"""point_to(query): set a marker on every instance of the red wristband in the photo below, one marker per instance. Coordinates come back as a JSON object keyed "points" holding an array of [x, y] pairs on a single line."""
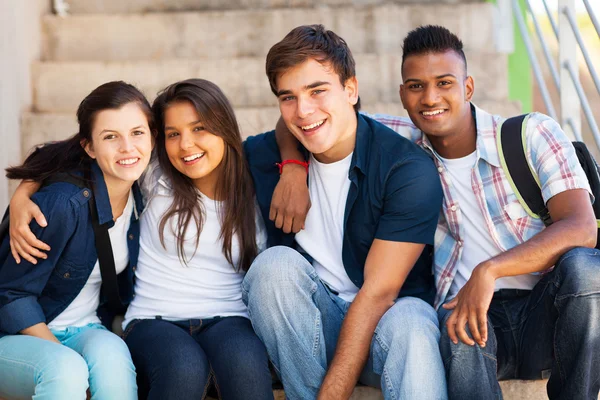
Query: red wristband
{"points": [[284, 162]]}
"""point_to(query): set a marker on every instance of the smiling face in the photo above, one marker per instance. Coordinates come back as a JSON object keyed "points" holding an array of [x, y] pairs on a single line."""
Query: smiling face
{"points": [[436, 93], [121, 143], [191, 149], [318, 109]]}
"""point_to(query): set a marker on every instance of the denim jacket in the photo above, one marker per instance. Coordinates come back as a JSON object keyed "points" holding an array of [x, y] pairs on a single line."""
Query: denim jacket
{"points": [[31, 294]]}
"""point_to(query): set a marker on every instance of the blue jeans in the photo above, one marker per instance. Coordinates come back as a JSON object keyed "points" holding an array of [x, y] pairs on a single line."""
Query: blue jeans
{"points": [[89, 356], [175, 360], [299, 320], [553, 330]]}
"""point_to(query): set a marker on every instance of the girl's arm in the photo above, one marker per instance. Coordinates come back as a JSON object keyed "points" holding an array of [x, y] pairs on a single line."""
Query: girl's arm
{"points": [[21, 285]]}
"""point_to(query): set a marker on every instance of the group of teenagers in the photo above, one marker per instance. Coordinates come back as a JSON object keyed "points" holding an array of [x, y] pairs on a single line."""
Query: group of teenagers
{"points": [[342, 247]]}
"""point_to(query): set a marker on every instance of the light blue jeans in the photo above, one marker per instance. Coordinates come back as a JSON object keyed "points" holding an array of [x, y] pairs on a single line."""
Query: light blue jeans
{"points": [[90, 356], [299, 320]]}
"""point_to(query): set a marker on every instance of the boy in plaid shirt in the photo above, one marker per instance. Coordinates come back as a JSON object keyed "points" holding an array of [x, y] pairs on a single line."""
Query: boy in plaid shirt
{"points": [[516, 300]]}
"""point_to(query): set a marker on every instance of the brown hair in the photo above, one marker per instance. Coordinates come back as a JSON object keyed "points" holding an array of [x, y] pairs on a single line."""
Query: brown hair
{"points": [[68, 155], [234, 186], [310, 42]]}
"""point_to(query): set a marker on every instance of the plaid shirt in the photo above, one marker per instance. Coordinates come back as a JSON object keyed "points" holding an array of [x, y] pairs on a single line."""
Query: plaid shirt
{"points": [[550, 154]]}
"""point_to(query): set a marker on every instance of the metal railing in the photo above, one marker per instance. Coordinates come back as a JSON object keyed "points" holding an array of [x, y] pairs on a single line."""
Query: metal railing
{"points": [[565, 72]]}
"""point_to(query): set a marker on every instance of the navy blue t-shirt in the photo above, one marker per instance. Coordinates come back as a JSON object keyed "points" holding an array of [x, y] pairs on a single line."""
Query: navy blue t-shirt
{"points": [[395, 194]]}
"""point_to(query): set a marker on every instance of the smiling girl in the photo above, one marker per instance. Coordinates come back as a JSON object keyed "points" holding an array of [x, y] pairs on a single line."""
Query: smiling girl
{"points": [[200, 233], [52, 342]]}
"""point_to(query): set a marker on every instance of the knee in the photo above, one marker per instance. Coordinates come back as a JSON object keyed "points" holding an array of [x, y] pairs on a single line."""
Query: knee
{"points": [[186, 373], [410, 322], [579, 270], [69, 371], [461, 351], [272, 274], [110, 358], [253, 362]]}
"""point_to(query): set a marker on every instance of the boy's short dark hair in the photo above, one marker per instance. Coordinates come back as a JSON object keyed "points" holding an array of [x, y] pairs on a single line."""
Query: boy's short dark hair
{"points": [[432, 39], [306, 42]]}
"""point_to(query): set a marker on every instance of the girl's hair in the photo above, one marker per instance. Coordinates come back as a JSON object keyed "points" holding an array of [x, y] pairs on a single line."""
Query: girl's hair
{"points": [[69, 155], [234, 185]]}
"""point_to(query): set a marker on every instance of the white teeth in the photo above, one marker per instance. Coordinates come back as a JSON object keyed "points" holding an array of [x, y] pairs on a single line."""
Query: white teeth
{"points": [[128, 161], [434, 112], [307, 127], [193, 157]]}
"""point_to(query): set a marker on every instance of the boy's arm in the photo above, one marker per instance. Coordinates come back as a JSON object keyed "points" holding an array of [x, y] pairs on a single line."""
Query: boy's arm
{"points": [[385, 273], [565, 189], [411, 209], [573, 218], [290, 202], [23, 242]]}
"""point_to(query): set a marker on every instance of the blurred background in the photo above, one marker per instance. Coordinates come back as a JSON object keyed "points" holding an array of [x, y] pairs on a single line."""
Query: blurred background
{"points": [[525, 55]]}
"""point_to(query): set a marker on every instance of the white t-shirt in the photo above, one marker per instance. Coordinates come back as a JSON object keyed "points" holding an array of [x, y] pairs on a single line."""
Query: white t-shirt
{"points": [[208, 286], [478, 245], [82, 310], [322, 238]]}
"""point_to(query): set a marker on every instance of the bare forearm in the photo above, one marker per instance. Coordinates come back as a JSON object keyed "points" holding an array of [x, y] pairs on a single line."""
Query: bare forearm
{"points": [[543, 250], [287, 143], [353, 345], [41, 331], [25, 190]]}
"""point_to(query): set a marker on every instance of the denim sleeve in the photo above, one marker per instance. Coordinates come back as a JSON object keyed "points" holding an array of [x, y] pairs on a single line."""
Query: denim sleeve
{"points": [[412, 202], [22, 284]]}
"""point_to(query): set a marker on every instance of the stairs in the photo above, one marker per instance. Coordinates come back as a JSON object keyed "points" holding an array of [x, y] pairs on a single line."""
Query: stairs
{"points": [[152, 43]]}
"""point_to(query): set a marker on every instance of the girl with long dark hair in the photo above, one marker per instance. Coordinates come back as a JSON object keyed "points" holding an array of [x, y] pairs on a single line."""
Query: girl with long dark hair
{"points": [[200, 232], [52, 342]]}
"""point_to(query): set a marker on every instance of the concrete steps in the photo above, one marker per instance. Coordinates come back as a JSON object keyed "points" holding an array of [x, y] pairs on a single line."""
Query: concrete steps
{"points": [[38, 128], [60, 86], [152, 6], [511, 390], [250, 33]]}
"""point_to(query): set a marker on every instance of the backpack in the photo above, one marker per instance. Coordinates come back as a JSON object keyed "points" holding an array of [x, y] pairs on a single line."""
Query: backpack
{"points": [[512, 149]]}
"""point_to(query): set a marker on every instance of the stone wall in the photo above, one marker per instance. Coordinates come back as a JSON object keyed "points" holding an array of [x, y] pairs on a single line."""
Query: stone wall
{"points": [[20, 45]]}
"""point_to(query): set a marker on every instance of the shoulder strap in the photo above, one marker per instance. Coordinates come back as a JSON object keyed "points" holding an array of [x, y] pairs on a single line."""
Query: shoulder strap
{"points": [[110, 285], [76, 180], [513, 157]]}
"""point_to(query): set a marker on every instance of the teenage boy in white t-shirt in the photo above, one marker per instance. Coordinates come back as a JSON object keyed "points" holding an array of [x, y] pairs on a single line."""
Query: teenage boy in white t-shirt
{"points": [[350, 296], [505, 313]]}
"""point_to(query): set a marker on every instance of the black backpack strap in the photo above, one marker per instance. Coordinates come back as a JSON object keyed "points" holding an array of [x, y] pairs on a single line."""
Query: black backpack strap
{"points": [[76, 180], [513, 157], [108, 272]]}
